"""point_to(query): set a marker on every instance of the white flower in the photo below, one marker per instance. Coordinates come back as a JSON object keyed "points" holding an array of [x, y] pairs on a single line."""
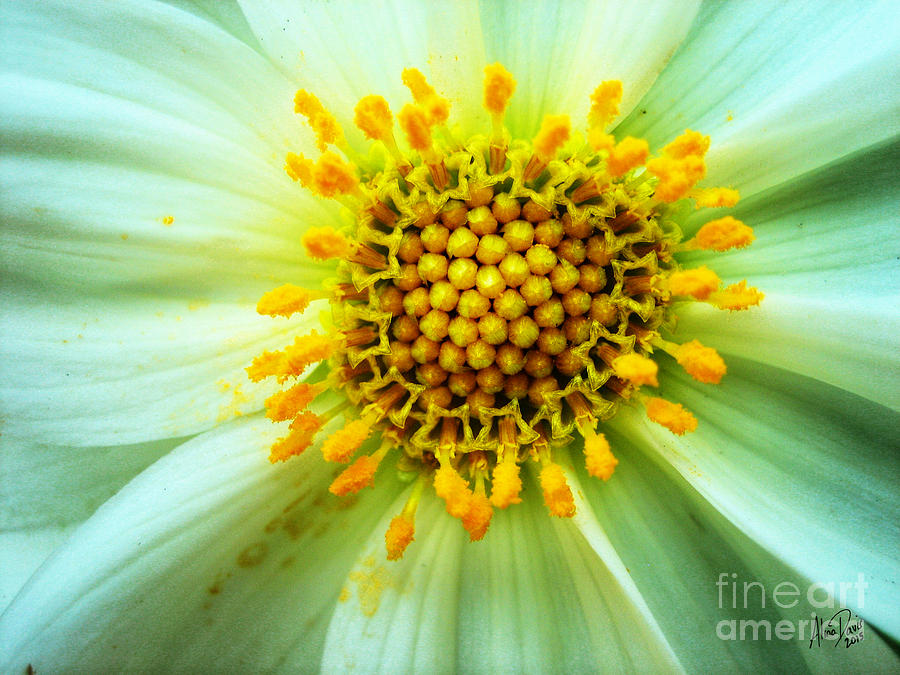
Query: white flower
{"points": [[145, 210]]}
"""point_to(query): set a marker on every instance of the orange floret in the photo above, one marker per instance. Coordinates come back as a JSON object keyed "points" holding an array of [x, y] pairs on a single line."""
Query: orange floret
{"points": [[285, 405], [323, 243], [499, 86], [736, 297], [605, 104], [599, 460], [637, 369], [715, 197], [399, 535], [723, 234], [554, 133], [698, 283], [672, 416], [373, 117], [453, 489], [342, 444], [284, 301], [355, 477], [415, 126], [628, 154], [702, 363], [506, 484], [557, 495], [478, 517], [303, 429]]}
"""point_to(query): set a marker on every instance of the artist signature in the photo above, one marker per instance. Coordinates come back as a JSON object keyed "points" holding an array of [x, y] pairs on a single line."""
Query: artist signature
{"points": [[843, 628]]}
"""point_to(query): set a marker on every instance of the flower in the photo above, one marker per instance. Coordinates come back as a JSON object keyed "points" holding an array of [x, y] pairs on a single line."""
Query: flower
{"points": [[147, 212]]}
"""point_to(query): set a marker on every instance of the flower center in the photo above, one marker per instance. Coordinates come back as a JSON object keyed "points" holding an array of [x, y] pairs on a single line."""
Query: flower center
{"points": [[494, 300]]}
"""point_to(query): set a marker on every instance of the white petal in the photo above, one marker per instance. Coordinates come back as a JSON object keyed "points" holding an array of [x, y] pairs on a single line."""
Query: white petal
{"points": [[807, 471], [22, 552], [211, 560], [559, 52], [129, 369], [805, 84]]}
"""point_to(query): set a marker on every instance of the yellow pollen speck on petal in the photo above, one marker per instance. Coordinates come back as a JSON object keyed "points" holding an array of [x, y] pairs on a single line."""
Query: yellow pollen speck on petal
{"points": [[628, 154], [637, 369], [415, 126], [373, 117], [557, 494], [599, 459], [506, 484], [285, 405], [723, 234], [284, 301], [303, 429], [499, 87], [168, 220], [399, 535], [342, 444], [554, 132], [478, 517], [324, 243], [702, 363], [453, 489], [715, 197], [355, 477], [689, 144], [605, 104], [672, 416], [736, 297], [698, 283]]}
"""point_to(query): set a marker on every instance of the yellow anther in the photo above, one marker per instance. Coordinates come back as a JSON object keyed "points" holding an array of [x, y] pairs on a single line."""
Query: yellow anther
{"points": [[285, 405], [672, 416], [554, 133], [698, 283], [676, 175], [355, 477], [333, 176], [702, 363], [722, 234], [303, 429], [435, 108], [453, 489], [637, 369], [478, 517], [308, 349], [628, 154], [299, 168], [499, 86], [599, 460], [342, 444], [323, 123], [399, 535], [324, 243], [605, 104], [557, 495], [506, 484], [415, 126], [373, 117], [600, 141], [284, 301], [715, 197], [689, 144], [266, 365], [736, 297]]}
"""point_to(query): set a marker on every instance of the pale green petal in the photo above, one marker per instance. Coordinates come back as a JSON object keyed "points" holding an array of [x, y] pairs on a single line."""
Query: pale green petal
{"points": [[211, 560], [560, 51], [22, 552], [806, 470], [806, 83]]}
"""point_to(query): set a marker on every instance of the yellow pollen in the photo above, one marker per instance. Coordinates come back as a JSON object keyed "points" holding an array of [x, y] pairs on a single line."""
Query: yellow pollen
{"points": [[557, 495], [303, 429], [702, 363], [342, 444], [306, 350], [453, 489], [373, 117], [499, 86], [715, 197], [689, 144], [284, 301], [324, 243], [698, 283], [672, 416], [333, 176], [637, 369], [323, 123], [286, 405], [605, 104], [554, 133], [736, 297], [628, 154], [355, 477], [723, 234], [478, 517], [600, 141], [506, 484], [299, 168], [266, 365], [435, 108], [398, 536], [415, 126], [676, 175], [599, 459]]}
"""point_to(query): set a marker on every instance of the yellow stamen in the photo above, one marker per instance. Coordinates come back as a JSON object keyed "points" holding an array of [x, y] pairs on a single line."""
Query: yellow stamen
{"points": [[284, 301], [506, 484], [478, 517], [689, 144], [605, 104], [698, 283], [676, 176], [398, 536], [415, 125], [721, 235], [303, 429], [499, 87], [628, 154], [299, 168], [736, 297], [672, 416], [436, 109], [373, 117], [324, 243], [342, 444], [554, 132], [285, 405], [715, 197], [702, 363], [355, 477], [637, 369], [323, 123], [599, 460], [333, 176], [557, 495], [453, 489]]}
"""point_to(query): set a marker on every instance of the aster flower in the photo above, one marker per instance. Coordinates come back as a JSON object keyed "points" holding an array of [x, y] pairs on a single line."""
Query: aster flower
{"points": [[146, 212]]}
